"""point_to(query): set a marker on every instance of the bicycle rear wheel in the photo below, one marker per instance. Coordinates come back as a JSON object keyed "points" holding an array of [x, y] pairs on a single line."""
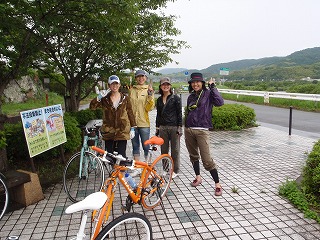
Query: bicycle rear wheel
{"points": [[92, 177], [158, 181], [128, 226], [4, 197]]}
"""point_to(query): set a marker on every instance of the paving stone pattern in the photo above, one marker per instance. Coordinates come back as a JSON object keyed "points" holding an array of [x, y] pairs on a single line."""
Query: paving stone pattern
{"points": [[252, 164]]}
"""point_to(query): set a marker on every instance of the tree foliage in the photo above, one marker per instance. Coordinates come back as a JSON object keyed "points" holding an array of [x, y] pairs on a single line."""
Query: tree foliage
{"points": [[88, 39]]}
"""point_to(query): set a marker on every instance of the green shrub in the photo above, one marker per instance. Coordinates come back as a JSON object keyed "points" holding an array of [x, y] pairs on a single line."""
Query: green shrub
{"points": [[311, 173], [17, 149], [291, 191], [3, 142], [233, 117], [306, 197], [84, 116], [73, 133]]}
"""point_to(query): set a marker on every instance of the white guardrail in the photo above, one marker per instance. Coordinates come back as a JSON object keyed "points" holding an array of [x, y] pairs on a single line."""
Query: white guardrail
{"points": [[267, 95]]}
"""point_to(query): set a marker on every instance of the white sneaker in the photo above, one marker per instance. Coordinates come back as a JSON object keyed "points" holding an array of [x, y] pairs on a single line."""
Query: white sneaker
{"points": [[136, 172], [174, 175]]}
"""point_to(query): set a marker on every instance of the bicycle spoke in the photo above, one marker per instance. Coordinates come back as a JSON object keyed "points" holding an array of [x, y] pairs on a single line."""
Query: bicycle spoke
{"points": [[91, 179], [129, 226], [158, 182]]}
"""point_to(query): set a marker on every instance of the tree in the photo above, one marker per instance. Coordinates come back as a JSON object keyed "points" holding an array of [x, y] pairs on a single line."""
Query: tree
{"points": [[87, 39], [17, 49]]}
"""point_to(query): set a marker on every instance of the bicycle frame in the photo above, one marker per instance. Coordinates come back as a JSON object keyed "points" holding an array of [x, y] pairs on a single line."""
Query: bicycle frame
{"points": [[119, 168], [85, 147], [111, 182], [96, 201]]}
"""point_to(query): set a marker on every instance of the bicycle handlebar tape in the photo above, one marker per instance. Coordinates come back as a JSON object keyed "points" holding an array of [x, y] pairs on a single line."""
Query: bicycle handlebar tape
{"points": [[154, 140], [99, 150]]}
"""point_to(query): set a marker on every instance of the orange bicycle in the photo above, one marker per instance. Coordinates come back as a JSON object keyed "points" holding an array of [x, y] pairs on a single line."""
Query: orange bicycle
{"points": [[153, 184]]}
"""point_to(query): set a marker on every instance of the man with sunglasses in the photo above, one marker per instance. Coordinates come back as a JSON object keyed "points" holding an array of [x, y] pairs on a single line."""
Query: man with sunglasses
{"points": [[198, 122]]}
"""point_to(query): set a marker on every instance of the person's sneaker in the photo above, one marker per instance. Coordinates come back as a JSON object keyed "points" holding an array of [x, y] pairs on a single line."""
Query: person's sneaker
{"points": [[218, 191], [174, 175], [136, 172], [196, 182]]}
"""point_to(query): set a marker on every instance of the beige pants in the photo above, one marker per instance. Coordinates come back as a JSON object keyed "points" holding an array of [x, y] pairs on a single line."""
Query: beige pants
{"points": [[198, 140]]}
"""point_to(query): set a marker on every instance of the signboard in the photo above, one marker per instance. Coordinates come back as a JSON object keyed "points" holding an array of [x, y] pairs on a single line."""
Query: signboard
{"points": [[43, 128], [224, 71], [186, 73]]}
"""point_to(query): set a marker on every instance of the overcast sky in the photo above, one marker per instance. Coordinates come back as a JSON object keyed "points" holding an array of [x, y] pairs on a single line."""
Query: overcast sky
{"points": [[221, 31]]}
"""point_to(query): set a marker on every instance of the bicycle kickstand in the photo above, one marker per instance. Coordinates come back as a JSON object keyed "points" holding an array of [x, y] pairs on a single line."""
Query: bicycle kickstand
{"points": [[161, 202]]}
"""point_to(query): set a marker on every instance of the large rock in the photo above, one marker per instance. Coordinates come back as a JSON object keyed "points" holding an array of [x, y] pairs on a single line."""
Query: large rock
{"points": [[22, 89]]}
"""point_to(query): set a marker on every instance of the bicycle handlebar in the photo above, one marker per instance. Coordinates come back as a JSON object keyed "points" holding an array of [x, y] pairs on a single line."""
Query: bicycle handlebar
{"points": [[89, 130], [113, 158]]}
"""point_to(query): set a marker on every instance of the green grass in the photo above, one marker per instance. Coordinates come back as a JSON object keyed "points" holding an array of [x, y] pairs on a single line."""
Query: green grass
{"points": [[292, 191], [303, 105], [14, 109]]}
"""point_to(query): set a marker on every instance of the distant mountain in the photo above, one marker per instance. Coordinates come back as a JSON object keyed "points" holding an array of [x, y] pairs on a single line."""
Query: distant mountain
{"points": [[303, 57], [299, 58], [171, 70]]}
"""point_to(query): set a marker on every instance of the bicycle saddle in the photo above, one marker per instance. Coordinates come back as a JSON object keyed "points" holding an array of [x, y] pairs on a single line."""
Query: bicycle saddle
{"points": [[92, 202], [154, 140]]}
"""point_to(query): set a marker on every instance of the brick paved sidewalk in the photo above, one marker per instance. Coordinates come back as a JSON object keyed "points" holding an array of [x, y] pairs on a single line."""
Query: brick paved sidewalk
{"points": [[253, 162]]}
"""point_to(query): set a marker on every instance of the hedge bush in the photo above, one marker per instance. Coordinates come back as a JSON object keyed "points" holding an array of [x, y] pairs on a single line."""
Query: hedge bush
{"points": [[311, 174], [306, 196], [233, 117], [84, 116]]}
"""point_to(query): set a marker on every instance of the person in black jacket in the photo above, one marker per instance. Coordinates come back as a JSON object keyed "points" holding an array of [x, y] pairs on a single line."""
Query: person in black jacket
{"points": [[169, 122]]}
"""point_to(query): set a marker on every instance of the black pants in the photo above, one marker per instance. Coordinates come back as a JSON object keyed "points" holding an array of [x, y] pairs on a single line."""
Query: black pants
{"points": [[119, 146]]}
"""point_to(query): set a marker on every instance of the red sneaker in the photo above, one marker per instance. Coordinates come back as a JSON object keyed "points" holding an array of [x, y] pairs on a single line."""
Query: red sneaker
{"points": [[218, 191], [196, 183]]}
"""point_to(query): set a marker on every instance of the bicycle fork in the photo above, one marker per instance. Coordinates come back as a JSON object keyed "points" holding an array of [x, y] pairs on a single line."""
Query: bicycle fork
{"points": [[86, 164]]}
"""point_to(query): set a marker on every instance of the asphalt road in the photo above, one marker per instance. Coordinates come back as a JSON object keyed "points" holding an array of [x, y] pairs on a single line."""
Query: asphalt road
{"points": [[303, 123]]}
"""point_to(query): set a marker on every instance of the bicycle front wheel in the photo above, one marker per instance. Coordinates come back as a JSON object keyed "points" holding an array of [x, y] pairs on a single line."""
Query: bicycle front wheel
{"points": [[158, 181], [128, 226], [78, 186], [4, 197]]}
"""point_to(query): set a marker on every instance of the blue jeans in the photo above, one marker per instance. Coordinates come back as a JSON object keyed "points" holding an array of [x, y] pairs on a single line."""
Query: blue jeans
{"points": [[142, 133]]}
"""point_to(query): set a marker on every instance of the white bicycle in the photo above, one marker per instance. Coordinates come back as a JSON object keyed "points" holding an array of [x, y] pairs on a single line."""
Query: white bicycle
{"points": [[128, 226]]}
